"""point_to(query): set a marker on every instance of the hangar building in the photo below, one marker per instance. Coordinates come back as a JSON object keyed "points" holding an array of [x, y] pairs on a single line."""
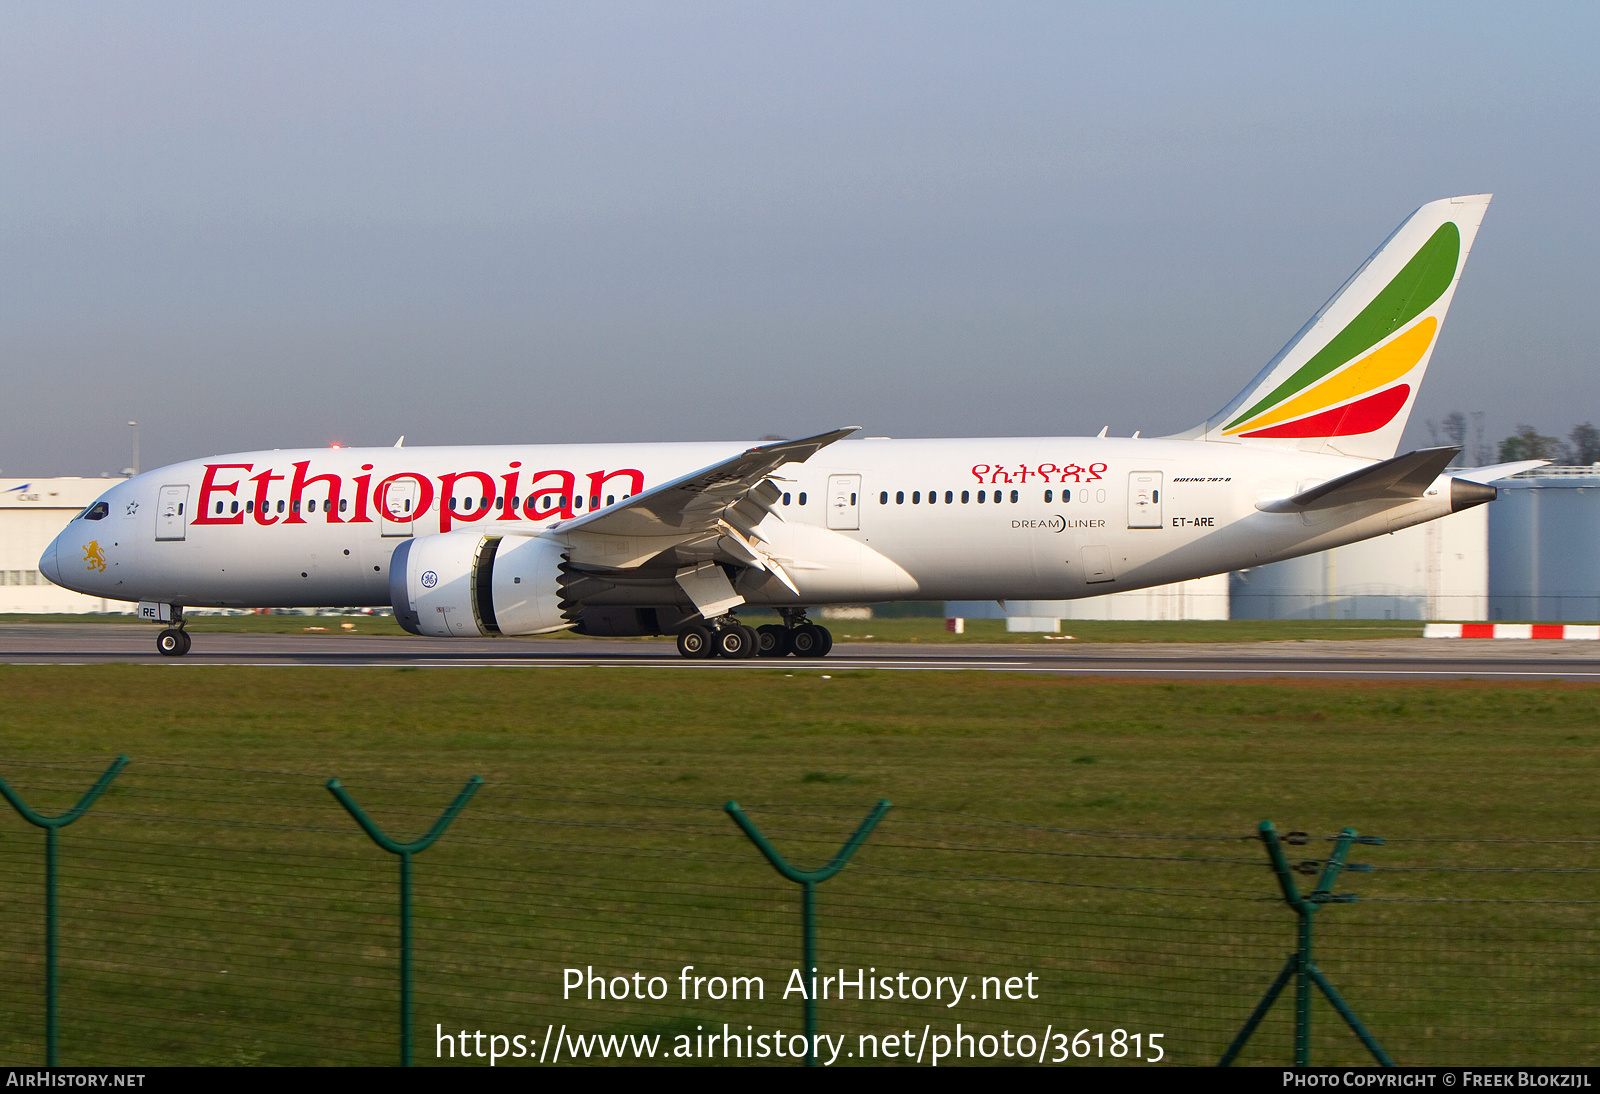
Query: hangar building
{"points": [[32, 512]]}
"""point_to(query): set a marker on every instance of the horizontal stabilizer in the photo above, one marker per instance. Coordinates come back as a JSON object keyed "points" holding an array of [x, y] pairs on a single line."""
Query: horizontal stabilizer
{"points": [[1496, 471], [1400, 479]]}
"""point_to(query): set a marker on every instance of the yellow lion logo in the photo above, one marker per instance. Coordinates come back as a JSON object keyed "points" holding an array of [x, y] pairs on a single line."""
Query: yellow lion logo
{"points": [[94, 556]]}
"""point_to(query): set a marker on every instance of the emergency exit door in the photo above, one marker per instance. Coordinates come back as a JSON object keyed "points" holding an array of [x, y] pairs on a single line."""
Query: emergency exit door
{"points": [[172, 517], [844, 502], [1144, 499]]}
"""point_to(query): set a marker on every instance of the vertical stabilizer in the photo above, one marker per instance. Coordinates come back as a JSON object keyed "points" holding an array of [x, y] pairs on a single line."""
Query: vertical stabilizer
{"points": [[1346, 383]]}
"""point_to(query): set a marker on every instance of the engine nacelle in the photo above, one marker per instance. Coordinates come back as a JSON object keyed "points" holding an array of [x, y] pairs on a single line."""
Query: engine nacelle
{"points": [[468, 585]]}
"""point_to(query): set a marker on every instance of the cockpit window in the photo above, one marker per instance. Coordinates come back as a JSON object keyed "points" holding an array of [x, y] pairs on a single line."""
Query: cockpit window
{"points": [[97, 511]]}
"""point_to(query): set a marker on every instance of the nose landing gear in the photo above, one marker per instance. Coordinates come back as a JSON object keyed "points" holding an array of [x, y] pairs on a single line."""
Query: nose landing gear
{"points": [[173, 641]]}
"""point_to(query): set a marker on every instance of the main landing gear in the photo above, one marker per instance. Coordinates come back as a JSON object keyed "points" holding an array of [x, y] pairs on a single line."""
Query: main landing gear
{"points": [[173, 641], [727, 637]]}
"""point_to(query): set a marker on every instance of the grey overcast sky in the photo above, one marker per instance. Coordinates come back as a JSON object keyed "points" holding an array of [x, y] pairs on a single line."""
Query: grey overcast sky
{"points": [[280, 224]]}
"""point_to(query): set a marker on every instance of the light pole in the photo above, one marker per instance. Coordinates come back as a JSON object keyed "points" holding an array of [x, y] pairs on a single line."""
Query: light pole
{"points": [[135, 427]]}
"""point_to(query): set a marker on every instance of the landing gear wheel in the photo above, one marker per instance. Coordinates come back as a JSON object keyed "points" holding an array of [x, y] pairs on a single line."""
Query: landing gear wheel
{"points": [[187, 642], [737, 642], [772, 640], [172, 642], [695, 643], [810, 640]]}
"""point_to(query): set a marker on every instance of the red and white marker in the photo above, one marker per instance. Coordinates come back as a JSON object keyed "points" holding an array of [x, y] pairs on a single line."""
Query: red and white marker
{"points": [[1588, 632]]}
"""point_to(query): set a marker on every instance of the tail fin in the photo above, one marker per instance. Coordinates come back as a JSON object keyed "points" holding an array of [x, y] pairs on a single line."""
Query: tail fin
{"points": [[1346, 383]]}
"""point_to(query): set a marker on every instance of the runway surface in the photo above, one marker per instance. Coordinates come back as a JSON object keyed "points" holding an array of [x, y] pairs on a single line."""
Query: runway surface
{"points": [[1414, 659]]}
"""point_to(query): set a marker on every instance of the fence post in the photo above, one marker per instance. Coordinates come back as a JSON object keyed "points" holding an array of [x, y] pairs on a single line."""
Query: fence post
{"points": [[1300, 964], [808, 880], [405, 851], [51, 825]]}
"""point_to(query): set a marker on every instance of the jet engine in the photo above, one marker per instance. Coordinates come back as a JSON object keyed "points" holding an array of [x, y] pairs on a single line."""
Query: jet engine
{"points": [[469, 585]]}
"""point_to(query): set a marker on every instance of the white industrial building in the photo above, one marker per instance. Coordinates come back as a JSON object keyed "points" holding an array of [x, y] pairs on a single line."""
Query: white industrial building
{"points": [[1202, 598], [1437, 570], [32, 513]]}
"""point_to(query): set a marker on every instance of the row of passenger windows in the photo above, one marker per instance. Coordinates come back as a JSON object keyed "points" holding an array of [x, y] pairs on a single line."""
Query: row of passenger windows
{"points": [[465, 505], [966, 497]]}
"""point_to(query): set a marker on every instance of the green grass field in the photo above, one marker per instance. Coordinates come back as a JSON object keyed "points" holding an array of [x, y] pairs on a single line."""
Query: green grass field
{"points": [[220, 907]]}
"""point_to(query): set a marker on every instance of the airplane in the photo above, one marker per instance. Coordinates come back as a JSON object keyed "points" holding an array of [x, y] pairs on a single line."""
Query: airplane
{"points": [[657, 539]]}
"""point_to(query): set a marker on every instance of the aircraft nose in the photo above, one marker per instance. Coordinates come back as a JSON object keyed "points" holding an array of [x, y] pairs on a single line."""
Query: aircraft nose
{"points": [[47, 562]]}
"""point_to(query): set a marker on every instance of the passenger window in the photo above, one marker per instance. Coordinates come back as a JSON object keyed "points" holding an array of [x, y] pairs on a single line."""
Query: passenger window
{"points": [[916, 497], [980, 497], [899, 497], [883, 498], [577, 502], [594, 501], [1066, 495], [180, 508], [499, 503], [484, 503], [280, 506], [852, 497], [933, 497], [1155, 496], [219, 508], [802, 497], [997, 496], [611, 499], [97, 511], [949, 496], [294, 507], [343, 503], [452, 503], [964, 496], [1047, 496], [250, 506], [1013, 497], [233, 507]]}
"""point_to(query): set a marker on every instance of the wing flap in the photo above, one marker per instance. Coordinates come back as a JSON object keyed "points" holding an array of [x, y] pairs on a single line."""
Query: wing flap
{"points": [[716, 508]]}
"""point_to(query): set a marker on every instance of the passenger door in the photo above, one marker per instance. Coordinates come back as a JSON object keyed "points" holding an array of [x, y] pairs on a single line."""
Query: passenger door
{"points": [[844, 502], [1144, 499], [172, 517]]}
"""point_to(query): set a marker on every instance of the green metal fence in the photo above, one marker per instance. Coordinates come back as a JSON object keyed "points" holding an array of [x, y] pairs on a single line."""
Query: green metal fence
{"points": [[213, 915]]}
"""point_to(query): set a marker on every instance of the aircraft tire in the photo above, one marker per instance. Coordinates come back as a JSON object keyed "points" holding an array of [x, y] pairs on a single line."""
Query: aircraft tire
{"points": [[772, 640], [807, 640], [695, 643], [737, 643], [187, 642], [170, 643], [827, 641]]}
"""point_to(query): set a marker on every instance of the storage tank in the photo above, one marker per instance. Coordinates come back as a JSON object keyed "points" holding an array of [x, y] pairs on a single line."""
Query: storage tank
{"points": [[1543, 532]]}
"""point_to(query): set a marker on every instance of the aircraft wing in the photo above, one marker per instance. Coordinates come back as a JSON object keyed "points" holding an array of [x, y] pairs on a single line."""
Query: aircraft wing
{"points": [[1497, 471], [717, 507], [1400, 479]]}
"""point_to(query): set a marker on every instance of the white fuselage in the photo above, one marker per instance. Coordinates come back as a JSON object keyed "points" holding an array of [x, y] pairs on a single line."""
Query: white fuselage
{"points": [[1008, 518]]}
